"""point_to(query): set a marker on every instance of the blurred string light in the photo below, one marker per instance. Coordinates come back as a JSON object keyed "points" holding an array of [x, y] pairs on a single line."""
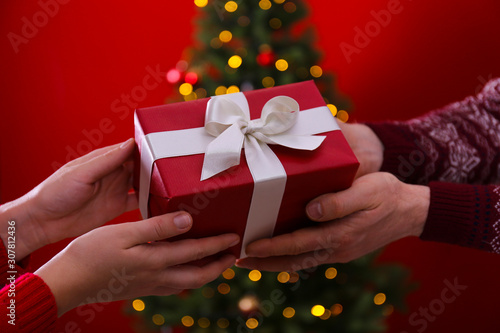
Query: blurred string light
{"points": [[252, 323], [232, 90], [379, 299], [201, 3], [281, 65], [275, 23], [191, 78], [186, 89], [225, 36], [283, 277], [265, 4], [290, 7], [231, 6], [223, 323], [220, 90], [235, 61], [248, 303], [331, 272], [255, 275], [173, 76], [158, 319], [318, 310], [333, 109], [288, 312], [228, 274], [343, 116], [203, 322], [316, 71], [279, 2], [187, 321], [138, 305], [326, 315], [268, 82], [336, 309], [223, 288]]}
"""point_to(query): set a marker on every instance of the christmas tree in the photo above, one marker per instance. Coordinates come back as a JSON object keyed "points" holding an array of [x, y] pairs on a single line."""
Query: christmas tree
{"points": [[245, 45]]}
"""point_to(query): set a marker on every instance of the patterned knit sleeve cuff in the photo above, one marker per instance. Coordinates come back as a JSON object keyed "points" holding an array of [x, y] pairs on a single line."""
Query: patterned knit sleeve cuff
{"points": [[402, 155], [36, 308], [465, 215]]}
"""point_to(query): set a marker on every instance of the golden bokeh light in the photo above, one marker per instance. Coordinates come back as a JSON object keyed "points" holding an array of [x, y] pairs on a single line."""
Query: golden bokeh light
{"points": [[232, 89], [275, 23], [268, 82], [318, 310], [333, 109], [158, 319], [316, 71], [265, 4], [201, 3], [225, 36], [331, 273], [187, 321], [228, 274], [185, 89], [288, 312], [379, 299], [203, 322], [290, 7], [252, 323], [223, 323], [336, 309], [283, 277], [255, 275], [138, 305], [231, 6], [281, 65], [223, 288], [235, 61], [343, 116], [221, 90]]}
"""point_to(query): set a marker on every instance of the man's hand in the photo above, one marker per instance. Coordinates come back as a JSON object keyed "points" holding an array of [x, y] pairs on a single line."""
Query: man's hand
{"points": [[377, 210]]}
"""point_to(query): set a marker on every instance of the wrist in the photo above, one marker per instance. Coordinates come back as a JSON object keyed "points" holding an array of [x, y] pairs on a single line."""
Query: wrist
{"points": [[418, 199], [27, 234]]}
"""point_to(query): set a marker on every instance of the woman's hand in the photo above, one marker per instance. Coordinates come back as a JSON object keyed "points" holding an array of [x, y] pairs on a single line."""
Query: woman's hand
{"points": [[80, 196], [366, 146], [123, 261], [377, 210]]}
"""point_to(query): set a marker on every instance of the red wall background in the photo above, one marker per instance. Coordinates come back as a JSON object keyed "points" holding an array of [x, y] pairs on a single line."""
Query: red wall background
{"points": [[68, 72]]}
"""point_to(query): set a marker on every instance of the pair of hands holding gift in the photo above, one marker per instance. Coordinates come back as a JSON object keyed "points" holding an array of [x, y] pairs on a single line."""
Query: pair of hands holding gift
{"points": [[79, 198], [376, 210]]}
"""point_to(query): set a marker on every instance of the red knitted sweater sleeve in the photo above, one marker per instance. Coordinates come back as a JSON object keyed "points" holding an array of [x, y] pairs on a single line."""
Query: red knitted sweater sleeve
{"points": [[26, 302], [456, 151]]}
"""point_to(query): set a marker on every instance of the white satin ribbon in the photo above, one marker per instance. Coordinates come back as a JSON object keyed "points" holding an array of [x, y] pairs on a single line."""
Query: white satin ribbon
{"points": [[227, 130]]}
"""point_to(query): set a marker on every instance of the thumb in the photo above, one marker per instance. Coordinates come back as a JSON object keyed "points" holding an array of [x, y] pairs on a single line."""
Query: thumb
{"points": [[155, 228], [102, 162], [360, 196]]}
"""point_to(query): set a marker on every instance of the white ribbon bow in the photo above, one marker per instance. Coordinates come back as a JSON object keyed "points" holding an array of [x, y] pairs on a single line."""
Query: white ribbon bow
{"points": [[228, 119]]}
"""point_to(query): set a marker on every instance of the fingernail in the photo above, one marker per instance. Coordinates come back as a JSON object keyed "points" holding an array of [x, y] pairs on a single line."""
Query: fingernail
{"points": [[314, 210], [182, 221], [126, 143], [235, 242]]}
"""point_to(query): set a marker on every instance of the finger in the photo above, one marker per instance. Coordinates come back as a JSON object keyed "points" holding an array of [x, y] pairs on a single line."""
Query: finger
{"points": [[184, 251], [287, 263], [105, 161], [297, 242], [332, 206], [193, 277], [132, 202], [153, 229]]}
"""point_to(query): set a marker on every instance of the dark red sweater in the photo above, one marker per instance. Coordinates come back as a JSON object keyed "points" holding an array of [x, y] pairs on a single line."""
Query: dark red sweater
{"points": [[35, 307], [456, 151]]}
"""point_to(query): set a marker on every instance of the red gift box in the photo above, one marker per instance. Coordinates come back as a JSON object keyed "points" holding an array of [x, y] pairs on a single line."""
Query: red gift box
{"points": [[221, 204]]}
